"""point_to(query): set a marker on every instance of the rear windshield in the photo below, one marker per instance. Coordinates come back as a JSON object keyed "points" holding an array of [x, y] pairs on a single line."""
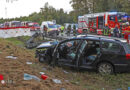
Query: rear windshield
{"points": [[127, 47]]}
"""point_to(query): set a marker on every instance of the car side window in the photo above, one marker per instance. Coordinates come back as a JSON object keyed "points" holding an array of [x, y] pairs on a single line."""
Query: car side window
{"points": [[109, 46]]}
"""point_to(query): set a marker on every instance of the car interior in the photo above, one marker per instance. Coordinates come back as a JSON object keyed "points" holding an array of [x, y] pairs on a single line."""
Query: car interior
{"points": [[91, 51], [68, 50]]}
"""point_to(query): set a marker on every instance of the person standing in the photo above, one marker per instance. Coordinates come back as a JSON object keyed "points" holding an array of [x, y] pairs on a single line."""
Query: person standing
{"points": [[68, 30], [106, 30], [62, 30], [74, 30], [116, 31], [45, 30]]}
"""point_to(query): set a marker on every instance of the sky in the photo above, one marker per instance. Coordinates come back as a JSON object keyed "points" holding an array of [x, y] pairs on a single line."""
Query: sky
{"points": [[25, 7]]}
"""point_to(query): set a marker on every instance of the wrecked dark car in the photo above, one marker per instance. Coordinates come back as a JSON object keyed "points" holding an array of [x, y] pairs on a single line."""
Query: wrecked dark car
{"points": [[44, 51], [104, 54]]}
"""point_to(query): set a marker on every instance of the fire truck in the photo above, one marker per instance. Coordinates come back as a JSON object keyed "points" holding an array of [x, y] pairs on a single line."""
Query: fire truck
{"points": [[94, 23], [34, 26]]}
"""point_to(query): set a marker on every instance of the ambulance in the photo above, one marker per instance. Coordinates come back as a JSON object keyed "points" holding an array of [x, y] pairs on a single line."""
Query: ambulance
{"points": [[52, 28]]}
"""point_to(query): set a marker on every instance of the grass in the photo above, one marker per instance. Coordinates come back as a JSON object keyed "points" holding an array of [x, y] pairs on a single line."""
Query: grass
{"points": [[18, 40]]}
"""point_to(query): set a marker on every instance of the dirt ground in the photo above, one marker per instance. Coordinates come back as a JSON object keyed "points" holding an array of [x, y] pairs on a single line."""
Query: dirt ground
{"points": [[13, 71]]}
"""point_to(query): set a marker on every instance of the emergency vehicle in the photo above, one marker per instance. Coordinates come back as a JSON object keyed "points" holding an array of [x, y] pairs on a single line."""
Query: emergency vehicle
{"points": [[34, 26], [51, 27], [94, 23], [12, 24]]}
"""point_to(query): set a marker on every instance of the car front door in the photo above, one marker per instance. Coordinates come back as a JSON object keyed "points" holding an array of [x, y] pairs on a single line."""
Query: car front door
{"points": [[67, 52]]}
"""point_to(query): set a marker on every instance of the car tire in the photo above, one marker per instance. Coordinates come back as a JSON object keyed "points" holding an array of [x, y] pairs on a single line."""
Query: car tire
{"points": [[105, 68]]}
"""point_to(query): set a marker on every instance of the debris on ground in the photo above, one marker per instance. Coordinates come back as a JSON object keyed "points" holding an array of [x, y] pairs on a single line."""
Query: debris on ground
{"points": [[44, 77], [42, 73], [27, 76], [30, 77], [2, 79], [67, 81], [128, 88], [36, 78], [65, 72], [44, 69], [11, 57], [29, 63], [56, 81], [62, 89]]}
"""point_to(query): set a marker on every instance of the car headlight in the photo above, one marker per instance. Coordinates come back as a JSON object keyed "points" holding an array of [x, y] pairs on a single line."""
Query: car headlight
{"points": [[41, 50]]}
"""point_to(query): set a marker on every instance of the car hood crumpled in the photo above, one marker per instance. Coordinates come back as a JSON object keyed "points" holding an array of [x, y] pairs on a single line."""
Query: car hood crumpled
{"points": [[47, 44]]}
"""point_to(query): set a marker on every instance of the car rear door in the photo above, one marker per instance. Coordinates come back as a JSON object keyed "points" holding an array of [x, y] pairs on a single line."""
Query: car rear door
{"points": [[88, 53], [112, 52]]}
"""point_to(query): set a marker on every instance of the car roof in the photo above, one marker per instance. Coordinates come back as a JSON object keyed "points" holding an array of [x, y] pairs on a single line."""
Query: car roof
{"points": [[103, 38]]}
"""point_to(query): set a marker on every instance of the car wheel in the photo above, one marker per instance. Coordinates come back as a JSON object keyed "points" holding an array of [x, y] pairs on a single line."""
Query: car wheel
{"points": [[41, 59], [105, 68]]}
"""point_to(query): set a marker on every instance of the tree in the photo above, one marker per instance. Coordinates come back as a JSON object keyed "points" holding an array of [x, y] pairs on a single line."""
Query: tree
{"points": [[100, 5]]}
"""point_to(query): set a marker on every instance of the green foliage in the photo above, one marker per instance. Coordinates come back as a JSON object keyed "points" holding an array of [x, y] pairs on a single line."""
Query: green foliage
{"points": [[83, 6]]}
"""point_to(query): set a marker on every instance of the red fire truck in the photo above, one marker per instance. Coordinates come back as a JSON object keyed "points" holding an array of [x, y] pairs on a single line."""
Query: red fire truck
{"points": [[34, 26], [94, 23]]}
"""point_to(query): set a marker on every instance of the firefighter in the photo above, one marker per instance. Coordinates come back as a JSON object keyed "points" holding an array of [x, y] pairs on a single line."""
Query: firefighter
{"points": [[45, 30], [116, 31], [74, 30], [68, 30], [62, 30], [106, 30]]}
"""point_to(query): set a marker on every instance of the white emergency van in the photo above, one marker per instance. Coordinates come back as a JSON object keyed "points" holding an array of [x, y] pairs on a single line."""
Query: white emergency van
{"points": [[52, 28]]}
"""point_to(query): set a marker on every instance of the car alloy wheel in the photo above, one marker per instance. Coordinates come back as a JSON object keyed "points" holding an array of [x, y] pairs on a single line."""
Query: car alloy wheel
{"points": [[105, 68]]}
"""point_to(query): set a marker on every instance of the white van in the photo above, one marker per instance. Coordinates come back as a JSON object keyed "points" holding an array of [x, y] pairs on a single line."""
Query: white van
{"points": [[51, 28]]}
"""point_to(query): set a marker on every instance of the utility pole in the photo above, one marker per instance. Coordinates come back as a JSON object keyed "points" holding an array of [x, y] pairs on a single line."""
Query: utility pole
{"points": [[8, 1], [5, 12]]}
